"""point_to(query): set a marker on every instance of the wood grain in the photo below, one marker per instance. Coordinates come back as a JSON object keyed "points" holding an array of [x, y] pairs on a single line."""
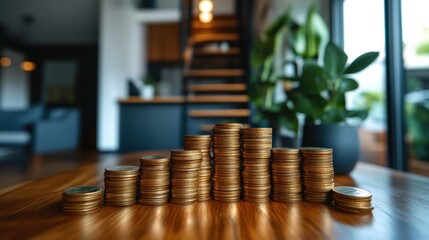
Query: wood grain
{"points": [[401, 211], [220, 113]]}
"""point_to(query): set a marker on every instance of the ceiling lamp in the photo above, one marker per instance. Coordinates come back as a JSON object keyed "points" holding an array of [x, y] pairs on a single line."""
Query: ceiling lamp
{"points": [[205, 6], [28, 66], [206, 17]]}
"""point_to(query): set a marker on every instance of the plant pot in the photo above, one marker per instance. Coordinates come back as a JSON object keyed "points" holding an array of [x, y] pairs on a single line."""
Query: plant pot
{"points": [[343, 140], [148, 92]]}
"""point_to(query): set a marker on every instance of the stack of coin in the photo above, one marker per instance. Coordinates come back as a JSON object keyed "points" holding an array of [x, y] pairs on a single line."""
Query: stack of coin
{"points": [[352, 200], [202, 143], [226, 162], [82, 200], [317, 174], [154, 180], [286, 175], [120, 185], [185, 167], [256, 152]]}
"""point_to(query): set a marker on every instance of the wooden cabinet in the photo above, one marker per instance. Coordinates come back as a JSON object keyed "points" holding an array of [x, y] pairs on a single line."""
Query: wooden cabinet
{"points": [[163, 43]]}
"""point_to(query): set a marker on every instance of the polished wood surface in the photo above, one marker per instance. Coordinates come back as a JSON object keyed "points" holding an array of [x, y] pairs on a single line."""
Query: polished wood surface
{"points": [[220, 113], [32, 210], [214, 73], [219, 99], [222, 87]]}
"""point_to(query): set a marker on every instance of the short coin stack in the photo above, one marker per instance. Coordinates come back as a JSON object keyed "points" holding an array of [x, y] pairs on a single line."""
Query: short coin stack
{"points": [[185, 167], [120, 185], [154, 180], [352, 200], [202, 143], [317, 174], [82, 200], [256, 153], [226, 162], [286, 175]]}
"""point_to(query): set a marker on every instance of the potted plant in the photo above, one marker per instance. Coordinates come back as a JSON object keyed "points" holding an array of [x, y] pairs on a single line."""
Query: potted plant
{"points": [[321, 97], [268, 62], [148, 88]]}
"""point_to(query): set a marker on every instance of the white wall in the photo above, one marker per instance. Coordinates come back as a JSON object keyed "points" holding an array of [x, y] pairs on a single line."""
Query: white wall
{"points": [[14, 83], [122, 56]]}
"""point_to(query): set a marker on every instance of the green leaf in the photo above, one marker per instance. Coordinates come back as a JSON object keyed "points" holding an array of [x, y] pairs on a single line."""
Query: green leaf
{"points": [[281, 22], [313, 79], [297, 40], [361, 62], [267, 69], [361, 114], [261, 50], [317, 33], [311, 105], [289, 120], [347, 84], [334, 60], [333, 115]]}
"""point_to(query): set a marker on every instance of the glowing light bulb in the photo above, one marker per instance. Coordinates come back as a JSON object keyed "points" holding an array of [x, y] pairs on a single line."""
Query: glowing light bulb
{"points": [[205, 6], [5, 62], [206, 17], [28, 66]]}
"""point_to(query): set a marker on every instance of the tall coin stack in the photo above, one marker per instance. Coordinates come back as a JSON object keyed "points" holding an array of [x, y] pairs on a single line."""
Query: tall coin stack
{"points": [[226, 162], [202, 143], [317, 174], [120, 185], [352, 200], [154, 180], [82, 200], [286, 175], [185, 167], [256, 152]]}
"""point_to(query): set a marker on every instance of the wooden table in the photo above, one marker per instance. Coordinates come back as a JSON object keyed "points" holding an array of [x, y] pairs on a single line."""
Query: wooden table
{"points": [[401, 211]]}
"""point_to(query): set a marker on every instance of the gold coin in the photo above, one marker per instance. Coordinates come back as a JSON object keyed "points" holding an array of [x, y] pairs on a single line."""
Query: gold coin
{"points": [[122, 170], [83, 191], [352, 192]]}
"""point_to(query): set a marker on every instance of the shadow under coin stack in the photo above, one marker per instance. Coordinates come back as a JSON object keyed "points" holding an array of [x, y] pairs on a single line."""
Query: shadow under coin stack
{"points": [[317, 174], [286, 175], [185, 167], [154, 180], [120, 185], [256, 152], [82, 200], [352, 200], [226, 162], [202, 143]]}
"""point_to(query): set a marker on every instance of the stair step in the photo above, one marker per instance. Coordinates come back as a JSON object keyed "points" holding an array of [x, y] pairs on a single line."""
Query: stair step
{"points": [[216, 23], [214, 73], [215, 37], [226, 87], [219, 113], [219, 99], [211, 52], [209, 127]]}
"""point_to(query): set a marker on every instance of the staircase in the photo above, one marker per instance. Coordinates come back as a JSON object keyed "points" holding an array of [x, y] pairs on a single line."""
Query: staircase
{"points": [[215, 74]]}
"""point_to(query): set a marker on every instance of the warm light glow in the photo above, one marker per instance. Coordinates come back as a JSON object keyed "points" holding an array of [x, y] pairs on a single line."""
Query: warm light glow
{"points": [[206, 17], [5, 62], [205, 6], [28, 66]]}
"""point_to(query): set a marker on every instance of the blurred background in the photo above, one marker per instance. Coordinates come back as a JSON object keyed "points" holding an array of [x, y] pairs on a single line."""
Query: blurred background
{"points": [[85, 79]]}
